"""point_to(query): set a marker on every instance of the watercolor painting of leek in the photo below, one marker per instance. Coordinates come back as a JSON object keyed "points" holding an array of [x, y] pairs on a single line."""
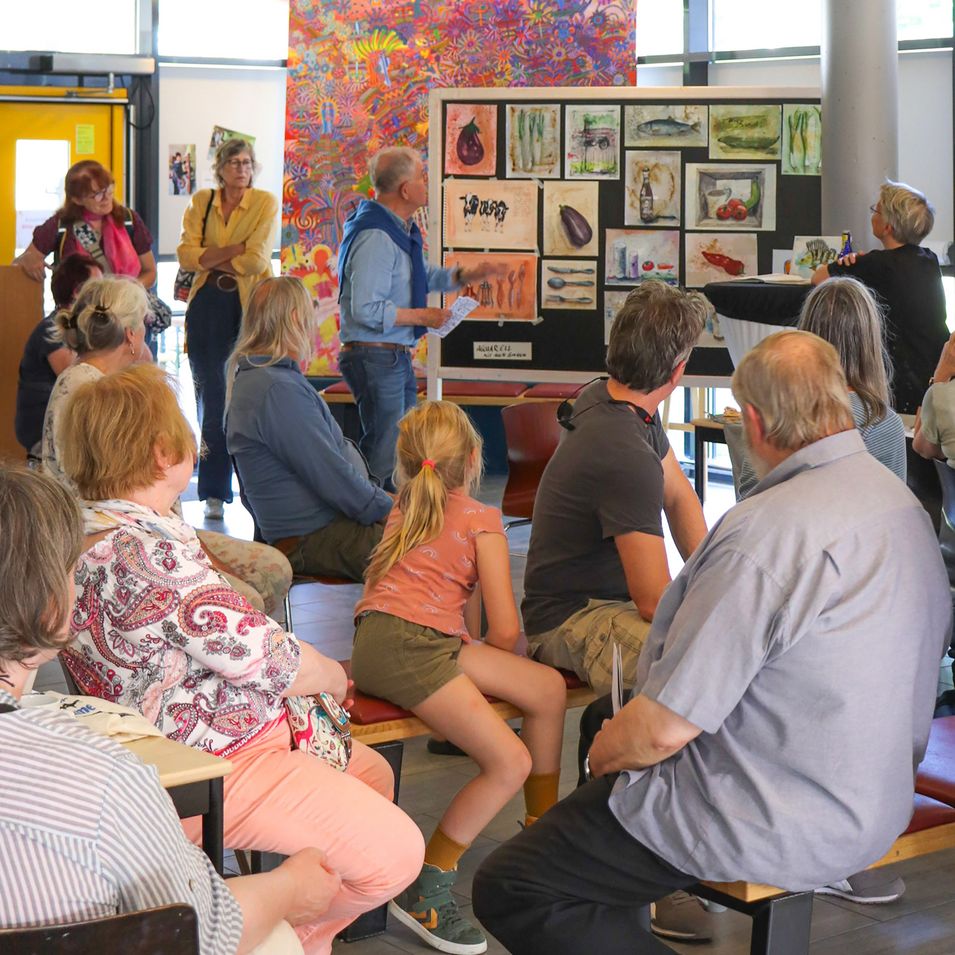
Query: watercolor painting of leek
{"points": [[533, 141], [802, 140]]}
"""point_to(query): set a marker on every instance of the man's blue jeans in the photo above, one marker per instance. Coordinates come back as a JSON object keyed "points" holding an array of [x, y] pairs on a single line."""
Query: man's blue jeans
{"points": [[384, 387]]}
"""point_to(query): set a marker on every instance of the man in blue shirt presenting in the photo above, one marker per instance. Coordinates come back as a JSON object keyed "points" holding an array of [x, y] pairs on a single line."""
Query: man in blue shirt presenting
{"points": [[384, 301]]}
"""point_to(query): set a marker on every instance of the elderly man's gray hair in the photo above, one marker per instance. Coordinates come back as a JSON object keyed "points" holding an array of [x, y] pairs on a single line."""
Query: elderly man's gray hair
{"points": [[392, 166]]}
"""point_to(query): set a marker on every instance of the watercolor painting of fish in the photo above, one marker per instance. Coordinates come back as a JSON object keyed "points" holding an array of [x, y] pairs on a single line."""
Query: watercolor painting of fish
{"points": [[674, 126]]}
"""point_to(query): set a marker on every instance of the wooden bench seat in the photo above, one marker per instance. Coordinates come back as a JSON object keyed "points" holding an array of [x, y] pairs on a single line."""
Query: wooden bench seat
{"points": [[375, 721], [782, 920]]}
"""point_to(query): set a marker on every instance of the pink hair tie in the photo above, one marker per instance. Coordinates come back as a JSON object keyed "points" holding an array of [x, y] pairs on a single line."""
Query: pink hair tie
{"points": [[427, 463]]}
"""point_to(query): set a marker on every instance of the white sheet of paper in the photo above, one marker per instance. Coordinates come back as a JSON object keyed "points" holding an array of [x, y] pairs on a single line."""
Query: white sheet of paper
{"points": [[460, 310], [616, 679]]}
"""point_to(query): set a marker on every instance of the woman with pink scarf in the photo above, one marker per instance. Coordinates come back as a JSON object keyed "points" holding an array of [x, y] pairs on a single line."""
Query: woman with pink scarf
{"points": [[92, 223]]}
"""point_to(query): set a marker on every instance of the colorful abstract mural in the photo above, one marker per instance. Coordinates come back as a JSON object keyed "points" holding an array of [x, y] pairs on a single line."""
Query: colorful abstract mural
{"points": [[359, 72]]}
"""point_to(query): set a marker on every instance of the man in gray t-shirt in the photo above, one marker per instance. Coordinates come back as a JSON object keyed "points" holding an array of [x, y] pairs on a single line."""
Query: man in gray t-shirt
{"points": [[783, 698], [597, 565]]}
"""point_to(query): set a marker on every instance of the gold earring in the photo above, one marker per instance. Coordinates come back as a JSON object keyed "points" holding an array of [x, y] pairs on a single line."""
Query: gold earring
{"points": [[132, 350]]}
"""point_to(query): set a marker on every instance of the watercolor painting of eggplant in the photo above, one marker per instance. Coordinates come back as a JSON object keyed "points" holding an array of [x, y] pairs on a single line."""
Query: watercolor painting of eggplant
{"points": [[569, 284], [509, 297], [751, 131], [802, 140], [669, 127], [470, 140], [532, 135], [719, 256], [570, 218], [640, 255], [592, 142], [490, 214], [731, 197], [653, 188]]}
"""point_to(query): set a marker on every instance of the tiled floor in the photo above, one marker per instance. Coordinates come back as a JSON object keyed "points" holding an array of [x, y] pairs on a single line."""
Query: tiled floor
{"points": [[922, 923]]}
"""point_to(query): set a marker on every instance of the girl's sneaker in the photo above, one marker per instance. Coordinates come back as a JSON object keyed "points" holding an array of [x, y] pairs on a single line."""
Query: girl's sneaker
{"points": [[428, 908]]}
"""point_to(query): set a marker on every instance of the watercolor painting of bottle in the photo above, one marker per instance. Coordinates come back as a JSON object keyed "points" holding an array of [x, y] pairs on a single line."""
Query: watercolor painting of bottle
{"points": [[653, 188]]}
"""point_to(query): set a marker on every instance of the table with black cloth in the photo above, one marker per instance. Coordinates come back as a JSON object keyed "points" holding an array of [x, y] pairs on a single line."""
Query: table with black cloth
{"points": [[750, 310]]}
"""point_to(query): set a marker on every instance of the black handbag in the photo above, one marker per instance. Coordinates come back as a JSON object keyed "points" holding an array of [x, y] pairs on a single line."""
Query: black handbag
{"points": [[182, 286]]}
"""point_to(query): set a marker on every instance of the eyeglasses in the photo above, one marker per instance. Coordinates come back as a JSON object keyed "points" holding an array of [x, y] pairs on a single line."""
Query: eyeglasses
{"points": [[240, 163], [106, 193], [875, 210]]}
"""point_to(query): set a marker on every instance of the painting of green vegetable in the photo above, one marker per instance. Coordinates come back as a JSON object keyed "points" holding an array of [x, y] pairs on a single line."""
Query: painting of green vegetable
{"points": [[570, 218], [802, 140], [749, 131], [533, 141], [470, 147]]}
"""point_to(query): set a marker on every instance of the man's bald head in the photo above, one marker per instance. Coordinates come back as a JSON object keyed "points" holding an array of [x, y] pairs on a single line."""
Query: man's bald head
{"points": [[795, 382], [392, 166]]}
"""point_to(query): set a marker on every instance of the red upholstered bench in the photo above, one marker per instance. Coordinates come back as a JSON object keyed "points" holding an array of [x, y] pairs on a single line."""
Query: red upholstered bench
{"points": [[936, 775], [550, 392], [499, 393], [377, 721]]}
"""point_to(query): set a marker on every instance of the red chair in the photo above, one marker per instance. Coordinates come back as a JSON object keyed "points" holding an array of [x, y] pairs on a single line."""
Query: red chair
{"points": [[532, 433]]}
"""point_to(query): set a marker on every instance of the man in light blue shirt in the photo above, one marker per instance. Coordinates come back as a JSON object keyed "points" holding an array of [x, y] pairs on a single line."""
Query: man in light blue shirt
{"points": [[384, 301], [784, 693]]}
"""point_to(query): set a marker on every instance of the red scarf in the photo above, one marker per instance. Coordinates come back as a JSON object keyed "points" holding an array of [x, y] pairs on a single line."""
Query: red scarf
{"points": [[117, 245]]}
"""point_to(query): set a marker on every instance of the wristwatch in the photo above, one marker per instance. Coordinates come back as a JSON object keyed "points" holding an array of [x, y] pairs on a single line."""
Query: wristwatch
{"points": [[588, 775]]}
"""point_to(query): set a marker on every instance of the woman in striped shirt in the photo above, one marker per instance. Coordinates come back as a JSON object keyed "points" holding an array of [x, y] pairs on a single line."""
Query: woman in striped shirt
{"points": [[86, 831]]}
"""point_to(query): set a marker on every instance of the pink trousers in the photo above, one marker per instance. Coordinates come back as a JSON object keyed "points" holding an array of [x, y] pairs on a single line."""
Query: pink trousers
{"points": [[280, 800]]}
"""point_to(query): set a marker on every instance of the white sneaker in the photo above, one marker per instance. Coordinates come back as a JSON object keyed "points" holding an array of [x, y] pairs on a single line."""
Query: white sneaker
{"points": [[871, 887], [213, 509]]}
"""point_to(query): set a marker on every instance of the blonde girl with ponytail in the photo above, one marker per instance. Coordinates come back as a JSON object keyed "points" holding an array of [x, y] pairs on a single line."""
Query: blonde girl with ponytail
{"points": [[418, 644]]}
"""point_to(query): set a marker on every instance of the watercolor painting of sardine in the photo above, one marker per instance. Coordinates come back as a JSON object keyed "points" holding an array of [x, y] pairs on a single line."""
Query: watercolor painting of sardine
{"points": [[674, 126]]}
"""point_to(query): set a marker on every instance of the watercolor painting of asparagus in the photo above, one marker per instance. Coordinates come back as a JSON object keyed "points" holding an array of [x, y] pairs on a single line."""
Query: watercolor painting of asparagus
{"points": [[533, 142], [673, 127], [471, 144], [751, 131], [593, 142], [802, 140]]}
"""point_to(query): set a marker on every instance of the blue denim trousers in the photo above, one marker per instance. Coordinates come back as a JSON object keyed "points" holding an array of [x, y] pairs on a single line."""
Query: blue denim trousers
{"points": [[212, 327], [384, 387]]}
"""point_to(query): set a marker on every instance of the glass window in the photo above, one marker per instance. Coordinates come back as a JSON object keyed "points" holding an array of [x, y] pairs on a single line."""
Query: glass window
{"points": [[744, 24], [108, 26], [924, 19], [659, 27], [229, 29]]}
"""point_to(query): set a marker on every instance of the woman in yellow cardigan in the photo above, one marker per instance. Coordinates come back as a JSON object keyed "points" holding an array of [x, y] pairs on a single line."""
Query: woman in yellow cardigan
{"points": [[226, 241]]}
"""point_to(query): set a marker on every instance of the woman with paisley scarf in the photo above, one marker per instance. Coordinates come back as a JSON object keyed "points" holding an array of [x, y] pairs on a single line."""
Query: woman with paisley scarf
{"points": [[159, 630]]}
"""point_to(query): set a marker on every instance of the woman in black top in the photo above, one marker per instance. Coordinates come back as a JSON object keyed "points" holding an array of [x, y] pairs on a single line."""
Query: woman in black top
{"points": [[43, 359], [907, 280]]}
